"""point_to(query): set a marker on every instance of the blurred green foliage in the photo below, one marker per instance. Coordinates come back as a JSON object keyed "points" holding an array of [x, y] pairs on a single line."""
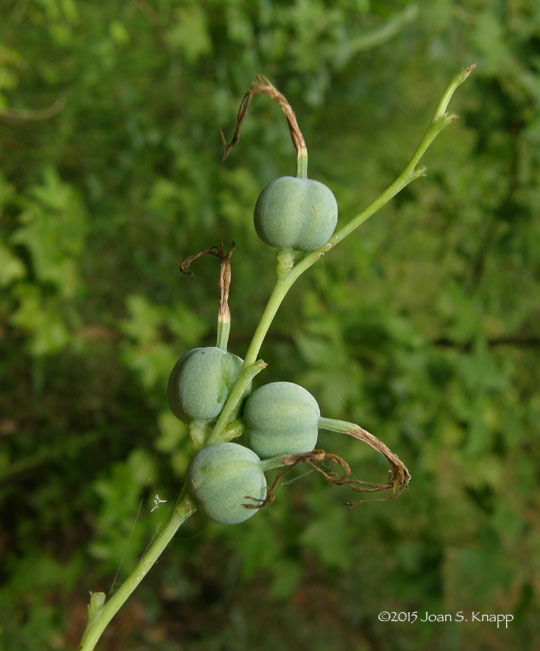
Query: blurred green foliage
{"points": [[423, 326]]}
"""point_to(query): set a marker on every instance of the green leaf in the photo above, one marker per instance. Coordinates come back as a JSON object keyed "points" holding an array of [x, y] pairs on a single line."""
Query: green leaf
{"points": [[41, 318], [11, 267], [189, 33], [144, 319], [287, 573], [330, 536], [54, 231]]}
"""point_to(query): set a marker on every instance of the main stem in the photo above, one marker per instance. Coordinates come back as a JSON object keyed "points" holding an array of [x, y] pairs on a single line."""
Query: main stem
{"points": [[182, 511]]}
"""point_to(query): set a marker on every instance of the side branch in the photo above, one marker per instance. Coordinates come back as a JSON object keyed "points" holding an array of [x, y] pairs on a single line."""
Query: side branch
{"points": [[410, 173]]}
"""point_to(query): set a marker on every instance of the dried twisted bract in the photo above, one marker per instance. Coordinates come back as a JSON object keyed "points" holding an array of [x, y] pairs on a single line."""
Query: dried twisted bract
{"points": [[398, 479], [265, 87]]}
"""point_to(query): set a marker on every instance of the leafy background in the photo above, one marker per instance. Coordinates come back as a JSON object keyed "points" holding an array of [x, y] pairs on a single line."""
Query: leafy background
{"points": [[423, 326]]}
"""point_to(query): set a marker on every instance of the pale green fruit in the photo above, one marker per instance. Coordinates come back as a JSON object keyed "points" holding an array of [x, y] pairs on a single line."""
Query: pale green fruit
{"points": [[200, 382], [222, 478], [281, 418]]}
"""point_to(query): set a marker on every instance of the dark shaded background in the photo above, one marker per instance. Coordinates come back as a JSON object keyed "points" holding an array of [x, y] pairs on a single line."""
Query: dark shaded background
{"points": [[423, 326]]}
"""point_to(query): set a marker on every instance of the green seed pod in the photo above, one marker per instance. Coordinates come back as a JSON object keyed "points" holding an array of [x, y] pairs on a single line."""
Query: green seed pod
{"points": [[281, 418], [295, 213], [200, 383], [222, 477]]}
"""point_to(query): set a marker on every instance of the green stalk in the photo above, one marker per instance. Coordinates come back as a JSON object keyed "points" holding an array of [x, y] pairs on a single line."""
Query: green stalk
{"points": [[274, 462], [243, 381], [198, 431], [233, 430], [301, 164], [223, 330], [281, 288], [182, 511], [332, 425]]}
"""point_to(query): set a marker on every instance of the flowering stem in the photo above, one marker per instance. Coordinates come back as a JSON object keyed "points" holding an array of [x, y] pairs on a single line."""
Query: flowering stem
{"points": [[183, 509], [287, 274]]}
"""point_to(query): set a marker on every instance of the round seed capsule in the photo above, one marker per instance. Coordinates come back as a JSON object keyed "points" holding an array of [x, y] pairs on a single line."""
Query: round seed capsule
{"points": [[200, 383], [281, 418], [222, 478], [295, 213]]}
